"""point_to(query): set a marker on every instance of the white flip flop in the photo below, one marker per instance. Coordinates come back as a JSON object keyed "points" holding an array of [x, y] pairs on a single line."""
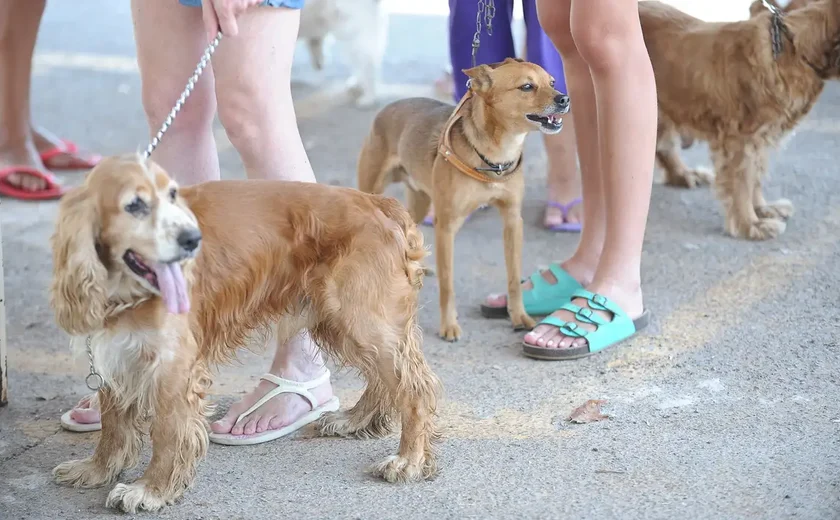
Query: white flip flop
{"points": [[284, 386], [70, 424]]}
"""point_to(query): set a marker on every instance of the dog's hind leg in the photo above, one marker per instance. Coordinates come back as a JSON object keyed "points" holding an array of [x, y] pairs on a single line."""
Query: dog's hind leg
{"points": [[118, 447], [379, 335], [737, 163], [399, 384], [781, 209], [668, 158], [415, 390], [179, 442], [374, 169], [371, 417]]}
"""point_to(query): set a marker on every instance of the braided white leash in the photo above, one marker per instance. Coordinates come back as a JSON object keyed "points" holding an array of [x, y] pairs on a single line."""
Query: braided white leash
{"points": [[94, 380], [205, 59]]}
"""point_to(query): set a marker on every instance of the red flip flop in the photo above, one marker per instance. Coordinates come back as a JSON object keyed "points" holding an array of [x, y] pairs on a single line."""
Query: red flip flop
{"points": [[52, 191], [75, 163]]}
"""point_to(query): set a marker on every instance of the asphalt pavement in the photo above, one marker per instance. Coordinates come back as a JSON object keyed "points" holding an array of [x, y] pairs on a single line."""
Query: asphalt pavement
{"points": [[727, 408]]}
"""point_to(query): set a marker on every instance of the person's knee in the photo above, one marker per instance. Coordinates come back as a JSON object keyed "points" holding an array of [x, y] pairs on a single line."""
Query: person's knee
{"points": [[195, 115], [249, 116], [554, 18], [603, 39]]}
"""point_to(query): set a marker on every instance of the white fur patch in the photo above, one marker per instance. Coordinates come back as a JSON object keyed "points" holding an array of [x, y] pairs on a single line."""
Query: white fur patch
{"points": [[130, 361], [171, 221]]}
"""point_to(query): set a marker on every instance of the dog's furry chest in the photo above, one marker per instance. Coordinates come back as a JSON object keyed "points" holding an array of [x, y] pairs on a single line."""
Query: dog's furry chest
{"points": [[129, 361]]}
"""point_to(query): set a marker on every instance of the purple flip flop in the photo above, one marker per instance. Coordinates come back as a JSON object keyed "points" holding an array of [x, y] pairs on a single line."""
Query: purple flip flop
{"points": [[429, 221], [572, 227]]}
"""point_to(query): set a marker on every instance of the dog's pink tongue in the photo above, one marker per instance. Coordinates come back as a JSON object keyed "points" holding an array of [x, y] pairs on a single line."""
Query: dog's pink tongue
{"points": [[173, 288]]}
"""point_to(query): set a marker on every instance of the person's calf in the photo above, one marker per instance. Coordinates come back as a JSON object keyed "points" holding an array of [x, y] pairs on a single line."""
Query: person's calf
{"points": [[267, 140]]}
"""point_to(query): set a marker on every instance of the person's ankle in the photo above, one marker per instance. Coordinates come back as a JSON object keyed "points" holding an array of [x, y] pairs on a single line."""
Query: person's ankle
{"points": [[301, 372], [580, 269], [626, 292]]}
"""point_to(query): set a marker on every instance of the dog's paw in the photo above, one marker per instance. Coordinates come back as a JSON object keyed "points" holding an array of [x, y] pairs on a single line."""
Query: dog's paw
{"points": [[691, 178], [82, 474], [450, 332], [763, 229], [130, 498], [396, 469], [781, 209], [521, 320]]}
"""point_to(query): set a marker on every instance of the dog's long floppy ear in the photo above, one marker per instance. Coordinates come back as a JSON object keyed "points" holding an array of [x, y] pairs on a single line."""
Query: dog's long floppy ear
{"points": [[77, 293]]}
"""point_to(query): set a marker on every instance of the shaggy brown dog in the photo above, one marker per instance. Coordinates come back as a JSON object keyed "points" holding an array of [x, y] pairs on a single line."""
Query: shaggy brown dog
{"points": [[719, 82], [459, 159], [131, 251]]}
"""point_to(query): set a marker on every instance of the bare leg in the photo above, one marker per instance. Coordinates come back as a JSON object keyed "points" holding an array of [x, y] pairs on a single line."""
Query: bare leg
{"points": [[251, 83], [19, 22], [563, 181], [582, 264], [622, 82]]}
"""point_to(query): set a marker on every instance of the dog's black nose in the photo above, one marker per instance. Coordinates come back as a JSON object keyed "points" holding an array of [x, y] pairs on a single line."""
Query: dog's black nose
{"points": [[189, 239], [562, 101]]}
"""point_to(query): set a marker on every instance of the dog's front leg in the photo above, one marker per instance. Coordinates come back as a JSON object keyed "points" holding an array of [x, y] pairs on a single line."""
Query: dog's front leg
{"points": [[781, 209], [512, 217], [446, 227], [118, 448], [179, 442]]}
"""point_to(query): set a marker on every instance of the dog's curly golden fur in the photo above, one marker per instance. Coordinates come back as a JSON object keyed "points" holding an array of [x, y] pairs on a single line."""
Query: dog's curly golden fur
{"points": [[343, 264], [720, 83]]}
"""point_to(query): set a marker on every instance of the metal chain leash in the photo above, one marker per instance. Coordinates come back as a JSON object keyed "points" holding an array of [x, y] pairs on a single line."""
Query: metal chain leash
{"points": [[94, 379], [776, 28], [488, 9]]}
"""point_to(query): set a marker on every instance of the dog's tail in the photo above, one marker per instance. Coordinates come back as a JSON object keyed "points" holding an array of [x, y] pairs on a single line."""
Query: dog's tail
{"points": [[415, 250]]}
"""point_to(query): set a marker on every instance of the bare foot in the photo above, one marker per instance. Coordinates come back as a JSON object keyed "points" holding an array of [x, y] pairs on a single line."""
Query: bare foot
{"points": [[24, 154], [87, 411], [563, 216], [629, 299], [71, 159], [278, 412], [579, 272], [564, 204]]}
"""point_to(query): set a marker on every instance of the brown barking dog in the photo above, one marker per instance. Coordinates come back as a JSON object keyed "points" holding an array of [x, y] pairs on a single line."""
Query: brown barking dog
{"points": [[720, 83], [127, 262], [461, 159]]}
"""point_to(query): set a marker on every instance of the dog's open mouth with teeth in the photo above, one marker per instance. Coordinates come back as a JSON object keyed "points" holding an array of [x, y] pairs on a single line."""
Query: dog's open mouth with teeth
{"points": [[549, 124], [166, 278]]}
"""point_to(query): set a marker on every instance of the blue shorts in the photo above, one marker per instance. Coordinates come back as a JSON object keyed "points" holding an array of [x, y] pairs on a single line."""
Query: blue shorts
{"points": [[291, 4]]}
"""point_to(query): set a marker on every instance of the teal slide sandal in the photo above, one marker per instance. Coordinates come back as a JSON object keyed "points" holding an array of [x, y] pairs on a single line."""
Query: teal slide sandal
{"points": [[606, 334], [544, 298]]}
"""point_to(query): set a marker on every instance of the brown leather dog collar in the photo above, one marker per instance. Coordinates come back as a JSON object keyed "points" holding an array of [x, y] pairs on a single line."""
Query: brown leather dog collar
{"points": [[449, 155]]}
